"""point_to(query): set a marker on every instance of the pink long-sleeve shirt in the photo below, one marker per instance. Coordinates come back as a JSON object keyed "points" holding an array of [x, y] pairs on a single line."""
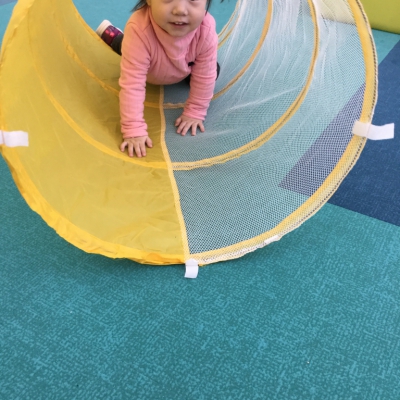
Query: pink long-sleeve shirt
{"points": [[151, 54]]}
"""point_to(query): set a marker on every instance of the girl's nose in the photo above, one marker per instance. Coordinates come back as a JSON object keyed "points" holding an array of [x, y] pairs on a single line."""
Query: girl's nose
{"points": [[180, 8]]}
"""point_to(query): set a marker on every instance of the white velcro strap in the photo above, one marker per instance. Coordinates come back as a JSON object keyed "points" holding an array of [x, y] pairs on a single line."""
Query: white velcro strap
{"points": [[192, 269], [14, 139], [373, 132], [272, 239]]}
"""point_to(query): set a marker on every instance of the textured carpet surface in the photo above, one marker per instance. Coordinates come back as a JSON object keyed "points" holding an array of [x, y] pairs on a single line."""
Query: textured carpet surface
{"points": [[373, 186], [2, 2], [314, 316]]}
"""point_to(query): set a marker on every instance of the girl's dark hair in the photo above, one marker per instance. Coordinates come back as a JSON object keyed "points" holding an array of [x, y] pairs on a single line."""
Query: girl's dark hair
{"points": [[142, 3]]}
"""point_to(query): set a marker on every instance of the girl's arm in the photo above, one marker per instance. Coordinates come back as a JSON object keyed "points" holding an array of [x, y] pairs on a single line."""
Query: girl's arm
{"points": [[135, 62], [202, 83]]}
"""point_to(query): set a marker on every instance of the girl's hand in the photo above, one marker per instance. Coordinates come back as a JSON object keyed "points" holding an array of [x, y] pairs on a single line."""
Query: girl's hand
{"points": [[136, 145], [185, 123]]}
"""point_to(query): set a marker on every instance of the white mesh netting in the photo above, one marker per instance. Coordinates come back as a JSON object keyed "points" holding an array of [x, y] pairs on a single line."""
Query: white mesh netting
{"points": [[293, 82]]}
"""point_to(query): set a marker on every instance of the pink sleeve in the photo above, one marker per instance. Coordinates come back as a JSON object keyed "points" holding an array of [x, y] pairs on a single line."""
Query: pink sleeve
{"points": [[135, 62], [202, 81]]}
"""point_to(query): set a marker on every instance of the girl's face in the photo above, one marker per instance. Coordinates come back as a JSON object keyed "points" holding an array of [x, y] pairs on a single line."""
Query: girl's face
{"points": [[178, 17]]}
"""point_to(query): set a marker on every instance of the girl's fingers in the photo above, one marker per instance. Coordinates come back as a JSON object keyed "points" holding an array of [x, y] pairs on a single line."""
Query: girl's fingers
{"points": [[149, 142], [182, 128], [186, 128], [136, 147], [130, 150], [138, 150], [143, 149], [179, 129]]}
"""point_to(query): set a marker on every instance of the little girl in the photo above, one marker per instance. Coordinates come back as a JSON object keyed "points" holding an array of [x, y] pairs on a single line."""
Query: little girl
{"points": [[164, 42]]}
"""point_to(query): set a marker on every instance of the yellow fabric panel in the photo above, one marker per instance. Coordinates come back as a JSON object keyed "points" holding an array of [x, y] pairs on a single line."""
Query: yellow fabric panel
{"points": [[73, 173], [383, 14], [59, 82]]}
